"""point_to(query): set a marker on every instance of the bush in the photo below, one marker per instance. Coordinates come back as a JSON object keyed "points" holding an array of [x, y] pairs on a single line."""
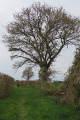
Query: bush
{"points": [[52, 89], [6, 85]]}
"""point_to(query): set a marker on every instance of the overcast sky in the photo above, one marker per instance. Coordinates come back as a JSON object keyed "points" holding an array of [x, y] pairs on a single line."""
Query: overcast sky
{"points": [[8, 8]]}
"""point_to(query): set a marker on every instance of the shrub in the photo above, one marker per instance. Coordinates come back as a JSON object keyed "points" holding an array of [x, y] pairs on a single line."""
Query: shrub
{"points": [[52, 89], [6, 85]]}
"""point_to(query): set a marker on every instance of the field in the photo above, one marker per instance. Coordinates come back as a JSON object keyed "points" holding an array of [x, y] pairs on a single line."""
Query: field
{"points": [[26, 103]]}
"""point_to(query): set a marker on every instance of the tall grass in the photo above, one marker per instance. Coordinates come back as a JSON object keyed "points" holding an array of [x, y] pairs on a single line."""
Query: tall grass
{"points": [[25, 103]]}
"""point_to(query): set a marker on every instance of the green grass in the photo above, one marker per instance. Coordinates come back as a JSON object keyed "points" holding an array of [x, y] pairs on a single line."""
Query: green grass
{"points": [[27, 104]]}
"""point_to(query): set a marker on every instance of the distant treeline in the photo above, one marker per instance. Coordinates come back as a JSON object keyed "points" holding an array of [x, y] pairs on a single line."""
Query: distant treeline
{"points": [[26, 83]]}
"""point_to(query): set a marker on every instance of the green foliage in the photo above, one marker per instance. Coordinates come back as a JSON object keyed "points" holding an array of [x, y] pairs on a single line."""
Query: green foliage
{"points": [[77, 89], [25, 103], [6, 85]]}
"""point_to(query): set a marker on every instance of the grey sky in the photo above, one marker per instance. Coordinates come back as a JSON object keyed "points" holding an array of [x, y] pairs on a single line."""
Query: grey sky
{"points": [[8, 7]]}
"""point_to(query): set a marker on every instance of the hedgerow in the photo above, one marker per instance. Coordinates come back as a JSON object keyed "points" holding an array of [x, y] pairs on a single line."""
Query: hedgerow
{"points": [[6, 85]]}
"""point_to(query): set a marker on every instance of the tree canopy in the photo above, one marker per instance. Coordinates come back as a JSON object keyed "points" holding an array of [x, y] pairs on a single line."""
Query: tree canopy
{"points": [[39, 33], [27, 73]]}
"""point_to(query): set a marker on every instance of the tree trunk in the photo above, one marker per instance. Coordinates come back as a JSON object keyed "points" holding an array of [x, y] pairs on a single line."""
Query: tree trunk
{"points": [[44, 76]]}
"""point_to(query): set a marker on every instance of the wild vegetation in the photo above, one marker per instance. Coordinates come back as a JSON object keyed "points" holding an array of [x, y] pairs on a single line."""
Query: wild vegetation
{"points": [[6, 85], [71, 86], [26, 103], [37, 36]]}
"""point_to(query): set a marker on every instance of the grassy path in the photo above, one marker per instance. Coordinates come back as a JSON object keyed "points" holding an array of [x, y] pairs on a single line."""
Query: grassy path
{"points": [[26, 104]]}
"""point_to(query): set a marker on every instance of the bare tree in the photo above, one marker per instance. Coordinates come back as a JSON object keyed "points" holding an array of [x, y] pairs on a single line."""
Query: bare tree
{"points": [[28, 73], [39, 33]]}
